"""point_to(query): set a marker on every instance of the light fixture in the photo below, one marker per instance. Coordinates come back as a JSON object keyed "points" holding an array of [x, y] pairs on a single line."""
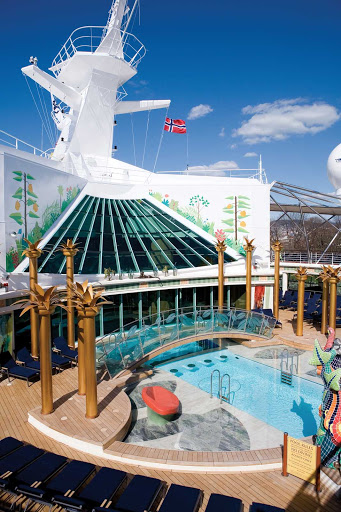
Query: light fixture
{"points": [[14, 234]]}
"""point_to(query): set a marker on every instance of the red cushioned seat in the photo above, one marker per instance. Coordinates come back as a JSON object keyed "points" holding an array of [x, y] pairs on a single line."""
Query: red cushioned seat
{"points": [[160, 400]]}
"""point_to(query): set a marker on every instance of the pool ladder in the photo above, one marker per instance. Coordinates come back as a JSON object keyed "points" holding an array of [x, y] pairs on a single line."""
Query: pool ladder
{"points": [[221, 380], [287, 373]]}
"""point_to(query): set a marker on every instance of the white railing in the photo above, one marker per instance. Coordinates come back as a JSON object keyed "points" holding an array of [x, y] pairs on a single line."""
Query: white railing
{"points": [[313, 257], [229, 173], [14, 142], [88, 39]]}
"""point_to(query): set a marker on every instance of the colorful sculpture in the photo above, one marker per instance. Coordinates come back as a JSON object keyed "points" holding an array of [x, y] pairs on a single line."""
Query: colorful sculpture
{"points": [[329, 431]]}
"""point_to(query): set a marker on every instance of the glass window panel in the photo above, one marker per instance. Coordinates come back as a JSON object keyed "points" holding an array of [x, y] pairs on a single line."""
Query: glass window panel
{"points": [[149, 307], [167, 300], [203, 296], [130, 308]]}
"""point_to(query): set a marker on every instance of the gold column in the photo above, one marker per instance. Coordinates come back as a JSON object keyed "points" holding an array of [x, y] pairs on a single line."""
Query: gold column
{"points": [[301, 277], [324, 276], [33, 253], [248, 247], [277, 247], [334, 278], [221, 247], [81, 357], [69, 250], [45, 360]]}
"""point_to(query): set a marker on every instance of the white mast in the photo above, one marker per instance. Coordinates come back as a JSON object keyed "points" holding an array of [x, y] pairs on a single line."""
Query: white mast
{"points": [[90, 68]]}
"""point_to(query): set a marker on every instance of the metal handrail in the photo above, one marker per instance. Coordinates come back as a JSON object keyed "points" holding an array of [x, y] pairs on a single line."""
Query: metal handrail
{"points": [[219, 380], [227, 397], [88, 39], [312, 257], [15, 142]]}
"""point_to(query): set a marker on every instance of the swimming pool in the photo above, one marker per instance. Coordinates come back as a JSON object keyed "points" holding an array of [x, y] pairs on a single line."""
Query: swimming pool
{"points": [[256, 389]]}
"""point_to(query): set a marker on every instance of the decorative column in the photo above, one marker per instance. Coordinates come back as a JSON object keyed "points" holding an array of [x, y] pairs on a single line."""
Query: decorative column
{"points": [[81, 357], [69, 250], [86, 301], [324, 276], [221, 248], [33, 253], [276, 247], [301, 277], [45, 302], [334, 278], [248, 247]]}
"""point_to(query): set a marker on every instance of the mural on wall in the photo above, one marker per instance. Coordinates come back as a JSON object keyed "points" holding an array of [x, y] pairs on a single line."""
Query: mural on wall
{"points": [[6, 333], [238, 206], [328, 435], [34, 201], [259, 297]]}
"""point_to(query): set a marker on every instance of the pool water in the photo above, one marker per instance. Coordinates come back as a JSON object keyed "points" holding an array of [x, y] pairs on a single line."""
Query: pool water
{"points": [[256, 389]]}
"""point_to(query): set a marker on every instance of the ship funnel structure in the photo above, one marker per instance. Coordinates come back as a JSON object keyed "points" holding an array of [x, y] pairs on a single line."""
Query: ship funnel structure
{"points": [[89, 72]]}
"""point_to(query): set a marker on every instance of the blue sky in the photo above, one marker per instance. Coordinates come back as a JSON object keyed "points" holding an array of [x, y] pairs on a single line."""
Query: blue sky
{"points": [[227, 55]]}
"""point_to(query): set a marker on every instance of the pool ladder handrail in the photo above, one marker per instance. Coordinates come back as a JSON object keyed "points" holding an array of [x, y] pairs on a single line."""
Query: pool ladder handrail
{"points": [[290, 358], [220, 381]]}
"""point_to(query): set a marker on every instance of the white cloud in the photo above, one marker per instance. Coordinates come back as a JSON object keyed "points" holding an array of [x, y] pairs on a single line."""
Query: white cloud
{"points": [[284, 118], [199, 111], [220, 167], [250, 154], [222, 132]]}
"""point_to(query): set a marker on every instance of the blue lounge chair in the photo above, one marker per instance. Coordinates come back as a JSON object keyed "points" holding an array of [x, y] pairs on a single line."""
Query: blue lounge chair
{"points": [[311, 309], [182, 499], [62, 347], [68, 480], [287, 299], [140, 495], [58, 362], [35, 474], [260, 507], [224, 504], [16, 461], [8, 445], [100, 491], [10, 368], [268, 312]]}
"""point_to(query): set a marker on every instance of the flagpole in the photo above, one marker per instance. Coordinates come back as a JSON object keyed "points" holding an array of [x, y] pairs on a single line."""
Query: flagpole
{"points": [[158, 149], [187, 148]]}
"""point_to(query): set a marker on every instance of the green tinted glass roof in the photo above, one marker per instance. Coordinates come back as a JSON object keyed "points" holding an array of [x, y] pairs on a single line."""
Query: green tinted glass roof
{"points": [[126, 235]]}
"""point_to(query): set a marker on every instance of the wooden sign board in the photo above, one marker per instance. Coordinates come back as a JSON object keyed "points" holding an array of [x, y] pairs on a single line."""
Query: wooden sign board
{"points": [[302, 459]]}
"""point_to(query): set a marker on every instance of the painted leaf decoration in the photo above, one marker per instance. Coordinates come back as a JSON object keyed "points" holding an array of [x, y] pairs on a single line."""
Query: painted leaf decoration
{"points": [[18, 173], [229, 230], [18, 194], [32, 194], [30, 201], [229, 222], [230, 197], [242, 230], [225, 210], [17, 179], [33, 215], [17, 217], [29, 177]]}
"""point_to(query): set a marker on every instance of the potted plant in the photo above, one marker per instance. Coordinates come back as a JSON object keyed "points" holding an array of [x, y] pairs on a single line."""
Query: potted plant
{"points": [[109, 273]]}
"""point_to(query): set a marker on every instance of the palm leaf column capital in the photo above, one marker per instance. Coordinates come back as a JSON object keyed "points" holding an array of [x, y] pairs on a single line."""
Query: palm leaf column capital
{"points": [[32, 252], [276, 247], [301, 276], [88, 301], [45, 302], [69, 250], [248, 247]]}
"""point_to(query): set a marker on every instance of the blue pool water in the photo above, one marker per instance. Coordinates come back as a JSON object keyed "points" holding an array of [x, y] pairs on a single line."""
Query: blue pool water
{"points": [[256, 389]]}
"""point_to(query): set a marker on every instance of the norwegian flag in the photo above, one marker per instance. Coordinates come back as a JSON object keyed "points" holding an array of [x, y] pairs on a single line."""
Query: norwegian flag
{"points": [[175, 125]]}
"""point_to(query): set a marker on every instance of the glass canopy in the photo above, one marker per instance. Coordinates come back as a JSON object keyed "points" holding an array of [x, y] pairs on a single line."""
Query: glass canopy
{"points": [[130, 235]]}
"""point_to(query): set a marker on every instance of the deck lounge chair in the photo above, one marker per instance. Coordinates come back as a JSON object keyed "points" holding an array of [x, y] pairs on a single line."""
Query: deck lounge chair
{"points": [[10, 368], [68, 480], [16, 461], [36, 474], [100, 491], [140, 494], [8, 445], [287, 299], [182, 499], [224, 504], [62, 347], [58, 362], [260, 507]]}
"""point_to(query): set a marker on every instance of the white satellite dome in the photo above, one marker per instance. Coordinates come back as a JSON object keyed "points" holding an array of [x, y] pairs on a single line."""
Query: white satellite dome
{"points": [[334, 168]]}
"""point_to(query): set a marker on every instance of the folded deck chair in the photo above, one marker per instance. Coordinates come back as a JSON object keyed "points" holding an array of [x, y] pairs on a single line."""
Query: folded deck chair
{"points": [[67, 481], [182, 499], [140, 494], [16, 461], [99, 491], [11, 369], [62, 346], [25, 357], [260, 507], [36, 474], [224, 504], [8, 445]]}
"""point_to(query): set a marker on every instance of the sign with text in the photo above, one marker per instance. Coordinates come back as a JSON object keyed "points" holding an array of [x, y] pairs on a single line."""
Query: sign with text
{"points": [[302, 459]]}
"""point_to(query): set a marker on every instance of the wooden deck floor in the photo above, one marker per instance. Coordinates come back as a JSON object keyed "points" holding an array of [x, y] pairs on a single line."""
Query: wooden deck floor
{"points": [[267, 487]]}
